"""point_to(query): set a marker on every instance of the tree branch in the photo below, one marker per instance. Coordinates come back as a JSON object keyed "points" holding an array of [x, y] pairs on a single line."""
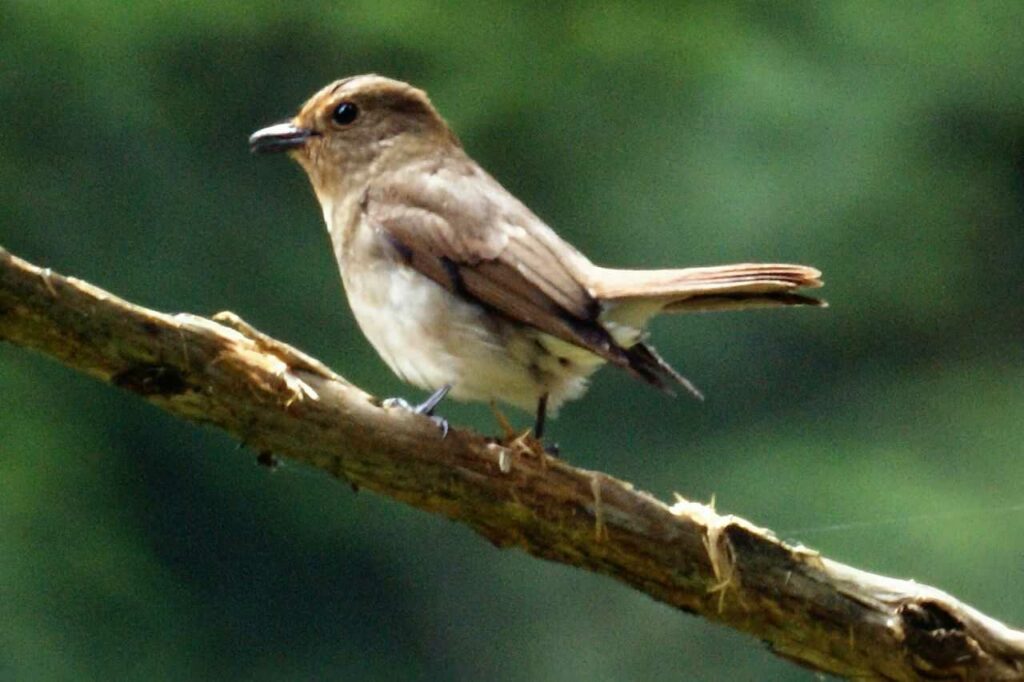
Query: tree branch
{"points": [[814, 611]]}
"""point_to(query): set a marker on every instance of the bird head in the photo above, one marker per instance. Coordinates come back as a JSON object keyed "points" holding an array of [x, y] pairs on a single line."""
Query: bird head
{"points": [[345, 128]]}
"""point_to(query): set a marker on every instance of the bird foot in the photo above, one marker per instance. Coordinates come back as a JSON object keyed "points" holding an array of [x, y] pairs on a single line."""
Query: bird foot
{"points": [[402, 403], [426, 408]]}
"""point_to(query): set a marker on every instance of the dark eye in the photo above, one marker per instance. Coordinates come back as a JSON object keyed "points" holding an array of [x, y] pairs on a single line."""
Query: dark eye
{"points": [[345, 113]]}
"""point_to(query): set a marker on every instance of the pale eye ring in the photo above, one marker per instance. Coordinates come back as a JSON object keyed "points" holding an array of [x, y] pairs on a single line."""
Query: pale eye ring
{"points": [[345, 113]]}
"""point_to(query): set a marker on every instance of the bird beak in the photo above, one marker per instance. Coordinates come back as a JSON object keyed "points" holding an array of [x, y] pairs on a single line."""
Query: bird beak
{"points": [[280, 137]]}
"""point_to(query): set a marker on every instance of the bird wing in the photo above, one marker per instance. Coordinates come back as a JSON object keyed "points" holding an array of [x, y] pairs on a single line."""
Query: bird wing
{"points": [[458, 226]]}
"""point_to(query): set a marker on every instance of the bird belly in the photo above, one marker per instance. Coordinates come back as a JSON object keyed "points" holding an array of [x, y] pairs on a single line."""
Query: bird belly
{"points": [[431, 337]]}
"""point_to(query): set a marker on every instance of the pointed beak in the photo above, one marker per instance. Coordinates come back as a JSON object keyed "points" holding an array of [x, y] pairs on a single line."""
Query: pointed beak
{"points": [[281, 137]]}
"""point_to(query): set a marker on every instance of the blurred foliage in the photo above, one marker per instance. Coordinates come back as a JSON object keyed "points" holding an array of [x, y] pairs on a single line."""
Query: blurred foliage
{"points": [[882, 142]]}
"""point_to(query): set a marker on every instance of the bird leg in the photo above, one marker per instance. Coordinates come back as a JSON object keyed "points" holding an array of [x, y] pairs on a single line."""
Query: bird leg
{"points": [[538, 427], [426, 408], [538, 424], [428, 405]]}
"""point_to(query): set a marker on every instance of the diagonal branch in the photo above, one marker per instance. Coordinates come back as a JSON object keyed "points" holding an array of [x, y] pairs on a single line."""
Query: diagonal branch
{"points": [[817, 612]]}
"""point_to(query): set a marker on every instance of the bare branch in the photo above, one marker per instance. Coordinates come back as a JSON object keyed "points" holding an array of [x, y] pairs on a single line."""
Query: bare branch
{"points": [[814, 611]]}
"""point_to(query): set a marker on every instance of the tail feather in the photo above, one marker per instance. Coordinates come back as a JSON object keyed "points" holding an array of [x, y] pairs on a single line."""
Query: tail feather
{"points": [[713, 303], [629, 298], [646, 364], [727, 287], [745, 278]]}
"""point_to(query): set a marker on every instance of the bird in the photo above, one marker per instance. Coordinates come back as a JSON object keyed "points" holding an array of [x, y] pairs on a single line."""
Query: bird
{"points": [[461, 289]]}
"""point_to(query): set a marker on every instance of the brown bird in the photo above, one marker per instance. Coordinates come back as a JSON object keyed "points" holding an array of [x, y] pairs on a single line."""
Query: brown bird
{"points": [[458, 285]]}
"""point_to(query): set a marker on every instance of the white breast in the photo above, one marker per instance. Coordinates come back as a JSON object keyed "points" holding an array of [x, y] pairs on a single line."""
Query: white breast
{"points": [[431, 337]]}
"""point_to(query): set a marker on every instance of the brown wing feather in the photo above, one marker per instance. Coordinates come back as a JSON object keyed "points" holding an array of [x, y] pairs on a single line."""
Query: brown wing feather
{"points": [[470, 235]]}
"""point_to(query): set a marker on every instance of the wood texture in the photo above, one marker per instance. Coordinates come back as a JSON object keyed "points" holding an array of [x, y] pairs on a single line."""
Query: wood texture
{"points": [[809, 609]]}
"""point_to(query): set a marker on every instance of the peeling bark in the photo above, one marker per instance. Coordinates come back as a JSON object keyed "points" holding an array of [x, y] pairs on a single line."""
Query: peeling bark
{"points": [[816, 612]]}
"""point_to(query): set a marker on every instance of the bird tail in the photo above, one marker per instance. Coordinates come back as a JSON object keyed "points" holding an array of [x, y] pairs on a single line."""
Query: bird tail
{"points": [[725, 287], [629, 298]]}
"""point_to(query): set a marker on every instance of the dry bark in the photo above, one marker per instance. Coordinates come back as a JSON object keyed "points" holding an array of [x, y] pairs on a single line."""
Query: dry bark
{"points": [[807, 608]]}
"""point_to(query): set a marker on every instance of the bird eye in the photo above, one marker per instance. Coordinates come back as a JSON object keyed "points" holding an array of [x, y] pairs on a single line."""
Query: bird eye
{"points": [[345, 113]]}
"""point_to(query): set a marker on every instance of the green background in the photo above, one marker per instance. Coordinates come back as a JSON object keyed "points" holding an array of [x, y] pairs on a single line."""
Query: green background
{"points": [[882, 142]]}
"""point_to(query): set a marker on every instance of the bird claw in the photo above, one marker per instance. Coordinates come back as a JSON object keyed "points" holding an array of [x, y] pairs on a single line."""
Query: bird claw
{"points": [[441, 423], [388, 403], [425, 408]]}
